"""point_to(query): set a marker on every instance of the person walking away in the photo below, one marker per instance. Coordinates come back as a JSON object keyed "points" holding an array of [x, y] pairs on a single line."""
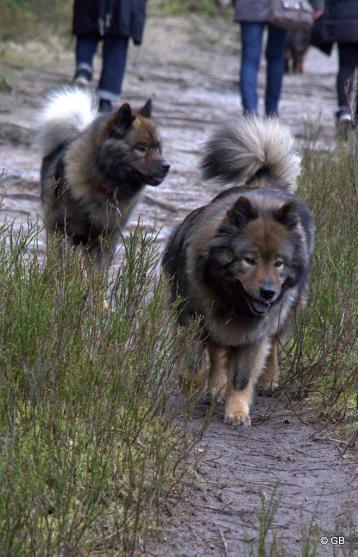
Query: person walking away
{"points": [[254, 16], [113, 22], [339, 24]]}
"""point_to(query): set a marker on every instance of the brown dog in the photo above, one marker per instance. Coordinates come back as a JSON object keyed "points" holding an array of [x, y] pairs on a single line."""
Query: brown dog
{"points": [[297, 45], [95, 168], [241, 263]]}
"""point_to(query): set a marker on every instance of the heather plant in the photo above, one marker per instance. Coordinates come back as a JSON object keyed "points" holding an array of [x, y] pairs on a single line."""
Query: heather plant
{"points": [[320, 361], [92, 438]]}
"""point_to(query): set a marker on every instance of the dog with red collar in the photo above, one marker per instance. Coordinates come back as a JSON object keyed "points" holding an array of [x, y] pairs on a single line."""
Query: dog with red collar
{"points": [[95, 168]]}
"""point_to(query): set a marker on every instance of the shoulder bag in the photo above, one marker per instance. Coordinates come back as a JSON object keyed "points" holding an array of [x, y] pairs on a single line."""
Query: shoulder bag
{"points": [[291, 14]]}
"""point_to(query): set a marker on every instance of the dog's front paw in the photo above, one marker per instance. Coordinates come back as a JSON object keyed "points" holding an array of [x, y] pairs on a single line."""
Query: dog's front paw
{"points": [[237, 419], [237, 408]]}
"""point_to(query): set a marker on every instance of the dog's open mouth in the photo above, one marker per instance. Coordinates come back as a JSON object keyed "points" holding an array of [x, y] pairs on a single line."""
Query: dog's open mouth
{"points": [[155, 180], [257, 307]]}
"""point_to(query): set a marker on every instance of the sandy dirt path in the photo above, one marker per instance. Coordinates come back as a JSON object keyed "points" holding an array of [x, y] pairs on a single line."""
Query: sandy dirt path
{"points": [[190, 70]]}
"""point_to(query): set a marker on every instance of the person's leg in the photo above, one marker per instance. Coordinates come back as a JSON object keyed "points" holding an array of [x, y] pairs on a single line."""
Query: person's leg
{"points": [[348, 61], [251, 41], [275, 57], [114, 59], [86, 47]]}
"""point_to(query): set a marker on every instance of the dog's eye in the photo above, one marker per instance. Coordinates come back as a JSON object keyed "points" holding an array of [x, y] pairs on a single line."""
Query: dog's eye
{"points": [[250, 261], [278, 263], [141, 147]]}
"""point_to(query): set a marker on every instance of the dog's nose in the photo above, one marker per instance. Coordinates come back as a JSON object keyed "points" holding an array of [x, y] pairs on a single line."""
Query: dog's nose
{"points": [[267, 292], [165, 166]]}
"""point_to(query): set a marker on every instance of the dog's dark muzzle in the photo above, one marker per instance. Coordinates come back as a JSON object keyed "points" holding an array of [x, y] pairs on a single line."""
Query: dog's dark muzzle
{"points": [[261, 303], [158, 177]]}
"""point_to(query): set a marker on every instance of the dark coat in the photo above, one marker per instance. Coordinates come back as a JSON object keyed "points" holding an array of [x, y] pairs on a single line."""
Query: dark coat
{"points": [[252, 10], [339, 23], [113, 18]]}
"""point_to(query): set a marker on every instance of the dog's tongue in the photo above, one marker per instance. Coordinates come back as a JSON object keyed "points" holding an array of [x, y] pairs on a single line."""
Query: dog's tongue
{"points": [[260, 307]]}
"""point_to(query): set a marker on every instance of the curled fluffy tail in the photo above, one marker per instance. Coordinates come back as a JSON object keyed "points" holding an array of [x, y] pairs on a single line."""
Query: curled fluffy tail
{"points": [[67, 112], [252, 147]]}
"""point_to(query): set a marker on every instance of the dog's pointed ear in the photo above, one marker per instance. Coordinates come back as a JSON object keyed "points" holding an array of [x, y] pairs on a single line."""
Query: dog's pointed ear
{"points": [[219, 250], [288, 215], [242, 212], [123, 118], [146, 110]]}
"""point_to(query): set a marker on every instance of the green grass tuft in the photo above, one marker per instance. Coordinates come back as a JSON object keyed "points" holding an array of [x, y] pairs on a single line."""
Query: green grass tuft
{"points": [[321, 359], [91, 443], [268, 544], [25, 19], [202, 7]]}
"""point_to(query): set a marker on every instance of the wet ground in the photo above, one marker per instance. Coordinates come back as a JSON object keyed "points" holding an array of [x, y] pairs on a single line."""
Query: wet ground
{"points": [[189, 69]]}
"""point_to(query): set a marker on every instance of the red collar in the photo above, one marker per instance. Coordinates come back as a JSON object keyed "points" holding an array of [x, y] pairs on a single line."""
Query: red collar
{"points": [[106, 190]]}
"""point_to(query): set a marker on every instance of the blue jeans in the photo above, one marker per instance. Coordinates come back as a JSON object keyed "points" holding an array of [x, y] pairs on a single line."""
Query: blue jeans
{"points": [[114, 58], [251, 39]]}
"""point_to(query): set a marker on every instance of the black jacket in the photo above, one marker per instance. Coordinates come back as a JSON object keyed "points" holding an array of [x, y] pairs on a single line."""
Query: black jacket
{"points": [[339, 23], [114, 18]]}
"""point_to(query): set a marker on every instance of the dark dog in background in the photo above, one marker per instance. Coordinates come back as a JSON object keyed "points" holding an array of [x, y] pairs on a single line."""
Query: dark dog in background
{"points": [[297, 45], [95, 168], [241, 263]]}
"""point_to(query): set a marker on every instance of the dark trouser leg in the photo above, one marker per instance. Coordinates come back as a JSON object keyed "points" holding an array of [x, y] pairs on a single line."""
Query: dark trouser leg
{"points": [[86, 47], [348, 61], [251, 41], [275, 56], [113, 67]]}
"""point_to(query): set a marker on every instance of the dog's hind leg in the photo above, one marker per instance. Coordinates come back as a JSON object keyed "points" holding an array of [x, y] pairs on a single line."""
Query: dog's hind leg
{"points": [[218, 377], [193, 380], [298, 62], [268, 381]]}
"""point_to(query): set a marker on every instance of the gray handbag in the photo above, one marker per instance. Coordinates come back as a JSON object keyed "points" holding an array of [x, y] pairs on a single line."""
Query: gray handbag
{"points": [[291, 14]]}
